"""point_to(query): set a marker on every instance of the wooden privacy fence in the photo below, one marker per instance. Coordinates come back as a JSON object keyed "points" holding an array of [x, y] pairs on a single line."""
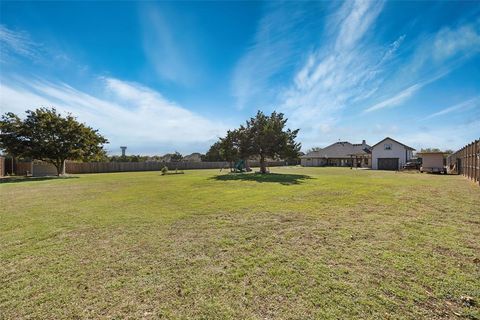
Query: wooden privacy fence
{"points": [[466, 161], [41, 169], [34, 168], [23, 168], [100, 167], [2, 166]]}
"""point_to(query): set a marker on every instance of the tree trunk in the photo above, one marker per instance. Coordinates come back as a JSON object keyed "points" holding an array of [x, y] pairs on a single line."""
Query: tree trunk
{"points": [[60, 166], [247, 166], [263, 165]]}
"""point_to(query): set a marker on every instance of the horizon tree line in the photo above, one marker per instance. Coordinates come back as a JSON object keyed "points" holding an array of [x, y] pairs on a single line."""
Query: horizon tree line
{"points": [[44, 134]]}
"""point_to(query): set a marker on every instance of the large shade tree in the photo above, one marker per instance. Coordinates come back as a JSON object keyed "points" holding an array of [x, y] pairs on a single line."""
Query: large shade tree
{"points": [[266, 137], [262, 137], [46, 135]]}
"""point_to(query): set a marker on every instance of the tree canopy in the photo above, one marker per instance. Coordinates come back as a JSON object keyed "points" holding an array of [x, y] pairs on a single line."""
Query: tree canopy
{"points": [[214, 153], [263, 137], [46, 135], [430, 150], [176, 157], [314, 149]]}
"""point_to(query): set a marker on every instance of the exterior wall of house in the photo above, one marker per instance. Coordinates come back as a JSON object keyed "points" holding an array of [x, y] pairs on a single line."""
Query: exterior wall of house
{"points": [[339, 162], [396, 151], [338, 154], [335, 162], [312, 162]]}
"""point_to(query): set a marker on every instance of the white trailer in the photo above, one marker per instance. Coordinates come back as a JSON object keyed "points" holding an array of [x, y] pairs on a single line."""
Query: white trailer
{"points": [[432, 162]]}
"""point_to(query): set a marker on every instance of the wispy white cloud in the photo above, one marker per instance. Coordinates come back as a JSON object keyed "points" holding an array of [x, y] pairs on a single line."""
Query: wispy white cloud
{"points": [[445, 49], [275, 45], [171, 51], [349, 69], [359, 16], [16, 43], [450, 136], [340, 70], [403, 95], [19, 50], [462, 106], [127, 113], [464, 40], [397, 99], [393, 48]]}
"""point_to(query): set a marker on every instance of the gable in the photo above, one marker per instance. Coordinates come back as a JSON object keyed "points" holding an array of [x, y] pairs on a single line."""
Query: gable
{"points": [[393, 142]]}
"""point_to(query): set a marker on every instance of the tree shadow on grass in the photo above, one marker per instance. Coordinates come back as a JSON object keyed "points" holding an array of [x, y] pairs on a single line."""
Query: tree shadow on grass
{"points": [[31, 179], [285, 179]]}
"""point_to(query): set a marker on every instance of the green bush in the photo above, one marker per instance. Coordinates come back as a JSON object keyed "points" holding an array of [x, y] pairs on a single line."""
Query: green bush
{"points": [[164, 170]]}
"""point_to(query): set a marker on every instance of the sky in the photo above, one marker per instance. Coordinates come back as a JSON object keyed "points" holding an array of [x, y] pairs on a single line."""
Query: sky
{"points": [[160, 77]]}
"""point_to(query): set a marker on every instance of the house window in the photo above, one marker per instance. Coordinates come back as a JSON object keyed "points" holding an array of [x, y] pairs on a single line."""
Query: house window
{"points": [[388, 146], [366, 162]]}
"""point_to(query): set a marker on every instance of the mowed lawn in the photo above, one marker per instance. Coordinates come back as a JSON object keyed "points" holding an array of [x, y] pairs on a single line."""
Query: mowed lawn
{"points": [[303, 243]]}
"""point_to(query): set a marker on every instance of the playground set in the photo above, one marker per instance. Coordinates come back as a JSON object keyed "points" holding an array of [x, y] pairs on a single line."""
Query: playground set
{"points": [[240, 166]]}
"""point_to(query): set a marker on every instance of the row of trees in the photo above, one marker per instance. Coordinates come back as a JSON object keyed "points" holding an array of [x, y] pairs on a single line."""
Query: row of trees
{"points": [[261, 137], [448, 151], [46, 135], [173, 157]]}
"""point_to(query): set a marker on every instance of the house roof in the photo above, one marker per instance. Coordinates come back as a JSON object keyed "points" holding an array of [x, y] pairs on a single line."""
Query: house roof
{"points": [[376, 144], [194, 157], [342, 149]]}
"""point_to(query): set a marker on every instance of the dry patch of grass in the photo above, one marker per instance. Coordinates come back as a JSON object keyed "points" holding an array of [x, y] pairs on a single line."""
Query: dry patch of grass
{"points": [[315, 243]]}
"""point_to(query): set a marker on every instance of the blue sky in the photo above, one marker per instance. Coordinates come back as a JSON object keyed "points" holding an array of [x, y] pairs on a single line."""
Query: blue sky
{"points": [[167, 76]]}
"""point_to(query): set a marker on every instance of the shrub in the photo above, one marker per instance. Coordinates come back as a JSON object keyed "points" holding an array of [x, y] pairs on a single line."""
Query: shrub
{"points": [[164, 170]]}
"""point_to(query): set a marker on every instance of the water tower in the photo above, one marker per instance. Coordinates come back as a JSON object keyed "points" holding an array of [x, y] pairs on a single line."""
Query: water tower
{"points": [[123, 151]]}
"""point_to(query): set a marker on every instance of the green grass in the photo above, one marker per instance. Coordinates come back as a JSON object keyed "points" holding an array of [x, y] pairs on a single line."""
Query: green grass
{"points": [[303, 243]]}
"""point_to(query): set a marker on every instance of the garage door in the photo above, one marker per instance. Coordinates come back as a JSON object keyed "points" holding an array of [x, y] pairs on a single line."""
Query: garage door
{"points": [[387, 163]]}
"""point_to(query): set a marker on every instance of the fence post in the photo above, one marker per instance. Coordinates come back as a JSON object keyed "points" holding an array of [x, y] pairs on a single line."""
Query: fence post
{"points": [[469, 158], [477, 161]]}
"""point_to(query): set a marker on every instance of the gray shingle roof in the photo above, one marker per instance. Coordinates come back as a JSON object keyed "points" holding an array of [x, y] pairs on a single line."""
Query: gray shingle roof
{"points": [[342, 149]]}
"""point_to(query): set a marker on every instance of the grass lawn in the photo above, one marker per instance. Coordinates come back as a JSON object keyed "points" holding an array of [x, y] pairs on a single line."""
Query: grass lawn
{"points": [[303, 243]]}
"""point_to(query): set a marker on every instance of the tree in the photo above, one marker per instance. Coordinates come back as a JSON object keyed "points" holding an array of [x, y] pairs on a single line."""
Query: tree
{"points": [[229, 147], [446, 153], [176, 157], [430, 150], [214, 153], [129, 158], [265, 136], [11, 133], [449, 151], [314, 149], [46, 135]]}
